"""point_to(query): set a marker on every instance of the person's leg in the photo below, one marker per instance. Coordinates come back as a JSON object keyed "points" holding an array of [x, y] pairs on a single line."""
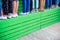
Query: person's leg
{"points": [[56, 3], [47, 4], [50, 3], [59, 3], [28, 6], [3, 6], [0, 9], [33, 5], [53, 3], [14, 7], [42, 4], [37, 5], [10, 8], [24, 6], [17, 4]]}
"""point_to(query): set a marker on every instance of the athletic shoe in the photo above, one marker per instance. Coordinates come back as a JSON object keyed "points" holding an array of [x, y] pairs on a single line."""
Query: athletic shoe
{"points": [[27, 12], [53, 6], [10, 15], [33, 11], [23, 13], [14, 15], [56, 6], [3, 17], [36, 10]]}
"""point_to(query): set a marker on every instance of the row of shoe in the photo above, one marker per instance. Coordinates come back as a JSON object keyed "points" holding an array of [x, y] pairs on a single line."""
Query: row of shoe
{"points": [[8, 16]]}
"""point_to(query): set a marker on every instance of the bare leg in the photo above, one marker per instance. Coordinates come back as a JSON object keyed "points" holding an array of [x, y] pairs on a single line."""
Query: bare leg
{"points": [[14, 7], [17, 4], [42, 4]]}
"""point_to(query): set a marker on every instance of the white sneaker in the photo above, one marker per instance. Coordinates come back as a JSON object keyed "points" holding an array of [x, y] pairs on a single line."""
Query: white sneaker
{"points": [[14, 15], [23, 13], [10, 15], [27, 12], [53, 6], [3, 17], [57, 6], [33, 11]]}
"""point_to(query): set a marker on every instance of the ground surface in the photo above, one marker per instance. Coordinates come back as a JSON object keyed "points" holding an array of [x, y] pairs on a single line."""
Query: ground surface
{"points": [[49, 33]]}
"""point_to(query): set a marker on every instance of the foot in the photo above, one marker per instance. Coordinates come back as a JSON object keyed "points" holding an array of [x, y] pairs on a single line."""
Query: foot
{"points": [[36, 10], [10, 15], [41, 9], [3, 17], [27, 12], [53, 6], [56, 6], [33, 11], [14, 15]]}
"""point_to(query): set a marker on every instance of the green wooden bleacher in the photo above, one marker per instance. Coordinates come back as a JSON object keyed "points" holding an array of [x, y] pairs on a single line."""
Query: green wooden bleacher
{"points": [[14, 28]]}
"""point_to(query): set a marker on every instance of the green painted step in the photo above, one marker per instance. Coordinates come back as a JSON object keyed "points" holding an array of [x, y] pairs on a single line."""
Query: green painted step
{"points": [[14, 28]]}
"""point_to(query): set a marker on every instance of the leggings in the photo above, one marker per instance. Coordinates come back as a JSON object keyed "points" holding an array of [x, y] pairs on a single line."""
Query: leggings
{"points": [[26, 6], [48, 3]]}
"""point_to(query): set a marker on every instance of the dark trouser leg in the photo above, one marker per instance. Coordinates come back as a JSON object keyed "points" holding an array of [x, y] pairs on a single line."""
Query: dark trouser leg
{"points": [[28, 6], [10, 6], [31, 5], [5, 7]]}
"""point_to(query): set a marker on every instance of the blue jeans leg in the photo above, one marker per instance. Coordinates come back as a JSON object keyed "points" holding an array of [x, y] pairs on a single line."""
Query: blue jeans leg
{"points": [[0, 9], [56, 2], [28, 6], [47, 3], [24, 6], [50, 3]]}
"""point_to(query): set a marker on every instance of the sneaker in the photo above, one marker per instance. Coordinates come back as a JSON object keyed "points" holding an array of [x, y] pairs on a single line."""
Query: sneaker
{"points": [[41, 10], [10, 15], [23, 13], [14, 15], [36, 10], [3, 17], [56, 6], [33, 11], [27, 12], [53, 6]]}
